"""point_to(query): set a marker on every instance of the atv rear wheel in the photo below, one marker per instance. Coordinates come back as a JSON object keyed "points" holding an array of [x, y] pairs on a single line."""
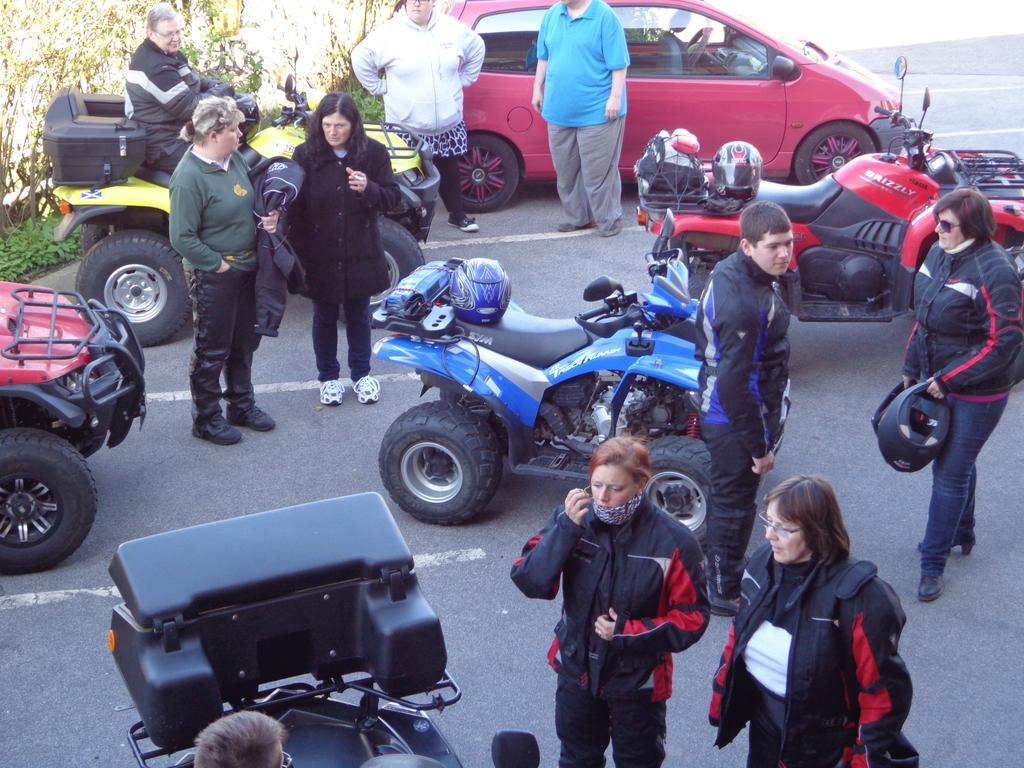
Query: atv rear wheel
{"points": [[681, 481], [441, 463], [89, 235], [402, 253], [139, 273], [47, 500]]}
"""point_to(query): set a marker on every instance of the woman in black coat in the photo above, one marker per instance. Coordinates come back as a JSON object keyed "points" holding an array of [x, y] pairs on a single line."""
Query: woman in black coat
{"points": [[335, 232], [967, 336]]}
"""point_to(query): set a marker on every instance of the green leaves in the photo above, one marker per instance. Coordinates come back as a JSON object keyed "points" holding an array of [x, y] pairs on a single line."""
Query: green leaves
{"points": [[29, 249]]}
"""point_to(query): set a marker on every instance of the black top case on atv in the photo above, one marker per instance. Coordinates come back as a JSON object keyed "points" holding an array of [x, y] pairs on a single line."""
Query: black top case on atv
{"points": [[89, 140], [213, 611]]}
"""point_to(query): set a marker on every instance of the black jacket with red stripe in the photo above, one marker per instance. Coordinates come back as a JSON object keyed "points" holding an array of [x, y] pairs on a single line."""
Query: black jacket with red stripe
{"points": [[968, 330], [648, 570], [848, 691]]}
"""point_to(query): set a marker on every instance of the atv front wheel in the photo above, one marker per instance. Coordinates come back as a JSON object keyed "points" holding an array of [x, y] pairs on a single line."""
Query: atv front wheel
{"points": [[47, 500], [441, 463], [681, 481], [402, 253], [139, 273]]}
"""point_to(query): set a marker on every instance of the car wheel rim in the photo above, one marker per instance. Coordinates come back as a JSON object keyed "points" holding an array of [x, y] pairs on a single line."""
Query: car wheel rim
{"points": [[393, 278], [29, 511], [431, 472], [481, 174], [833, 153], [679, 496], [137, 290]]}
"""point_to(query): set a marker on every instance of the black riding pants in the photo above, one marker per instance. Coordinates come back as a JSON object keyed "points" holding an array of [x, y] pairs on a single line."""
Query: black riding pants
{"points": [[225, 329], [585, 723], [731, 511]]}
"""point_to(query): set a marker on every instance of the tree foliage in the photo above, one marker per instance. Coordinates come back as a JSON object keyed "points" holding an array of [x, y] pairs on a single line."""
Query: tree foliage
{"points": [[88, 43]]}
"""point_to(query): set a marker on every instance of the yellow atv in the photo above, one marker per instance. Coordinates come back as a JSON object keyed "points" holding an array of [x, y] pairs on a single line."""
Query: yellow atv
{"points": [[122, 207]]}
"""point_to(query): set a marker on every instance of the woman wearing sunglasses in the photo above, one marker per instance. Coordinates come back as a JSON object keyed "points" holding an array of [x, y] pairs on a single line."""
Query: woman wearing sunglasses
{"points": [[812, 661], [967, 298], [632, 595]]}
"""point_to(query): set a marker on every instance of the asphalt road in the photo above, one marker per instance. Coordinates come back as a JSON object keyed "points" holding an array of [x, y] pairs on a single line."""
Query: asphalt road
{"points": [[62, 702]]}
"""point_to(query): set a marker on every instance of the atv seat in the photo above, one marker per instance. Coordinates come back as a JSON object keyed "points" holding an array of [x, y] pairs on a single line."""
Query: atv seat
{"points": [[536, 341], [803, 204], [153, 176]]}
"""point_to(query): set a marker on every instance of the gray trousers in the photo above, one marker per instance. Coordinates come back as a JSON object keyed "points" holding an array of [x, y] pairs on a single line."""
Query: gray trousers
{"points": [[587, 164]]}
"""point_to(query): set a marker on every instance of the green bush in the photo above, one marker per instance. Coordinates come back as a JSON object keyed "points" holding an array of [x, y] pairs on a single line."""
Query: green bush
{"points": [[28, 250]]}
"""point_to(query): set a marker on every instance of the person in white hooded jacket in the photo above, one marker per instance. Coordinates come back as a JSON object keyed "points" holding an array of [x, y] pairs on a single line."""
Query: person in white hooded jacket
{"points": [[427, 58]]}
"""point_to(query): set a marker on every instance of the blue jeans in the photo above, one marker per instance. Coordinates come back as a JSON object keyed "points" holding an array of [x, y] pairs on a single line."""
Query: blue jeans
{"points": [[325, 338], [954, 478]]}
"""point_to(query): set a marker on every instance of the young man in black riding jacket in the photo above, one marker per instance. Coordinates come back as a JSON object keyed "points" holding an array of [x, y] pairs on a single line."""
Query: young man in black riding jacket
{"points": [[742, 324], [162, 89]]}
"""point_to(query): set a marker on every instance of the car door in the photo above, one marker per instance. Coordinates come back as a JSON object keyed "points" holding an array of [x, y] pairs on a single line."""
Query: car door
{"points": [[692, 70]]}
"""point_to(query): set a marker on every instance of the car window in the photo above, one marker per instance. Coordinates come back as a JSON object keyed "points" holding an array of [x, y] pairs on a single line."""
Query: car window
{"points": [[672, 42], [511, 40]]}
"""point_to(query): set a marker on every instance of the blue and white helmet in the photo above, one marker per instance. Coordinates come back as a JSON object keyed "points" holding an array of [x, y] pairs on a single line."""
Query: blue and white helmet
{"points": [[480, 291]]}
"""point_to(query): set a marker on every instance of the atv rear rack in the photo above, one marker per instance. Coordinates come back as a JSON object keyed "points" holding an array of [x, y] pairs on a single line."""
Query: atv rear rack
{"points": [[51, 343], [301, 701], [991, 169]]}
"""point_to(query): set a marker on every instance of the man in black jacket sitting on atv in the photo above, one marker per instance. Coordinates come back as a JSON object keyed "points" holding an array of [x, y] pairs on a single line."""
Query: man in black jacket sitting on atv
{"points": [[742, 323], [162, 89]]}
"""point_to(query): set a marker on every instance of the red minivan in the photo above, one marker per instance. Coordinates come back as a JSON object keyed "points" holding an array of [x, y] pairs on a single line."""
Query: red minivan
{"points": [[693, 66]]}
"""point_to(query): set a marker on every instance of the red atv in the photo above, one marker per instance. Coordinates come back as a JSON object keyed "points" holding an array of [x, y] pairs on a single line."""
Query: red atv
{"points": [[71, 379], [861, 232]]}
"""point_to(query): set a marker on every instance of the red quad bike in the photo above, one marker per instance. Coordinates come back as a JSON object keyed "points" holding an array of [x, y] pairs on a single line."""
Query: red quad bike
{"points": [[225, 616], [860, 233], [71, 379]]}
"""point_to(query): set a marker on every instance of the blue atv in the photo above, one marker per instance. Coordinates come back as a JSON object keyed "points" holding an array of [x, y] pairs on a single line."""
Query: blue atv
{"points": [[545, 393]]}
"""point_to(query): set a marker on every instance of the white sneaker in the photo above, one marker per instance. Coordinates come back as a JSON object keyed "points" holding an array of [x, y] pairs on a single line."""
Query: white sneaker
{"points": [[331, 392], [367, 389]]}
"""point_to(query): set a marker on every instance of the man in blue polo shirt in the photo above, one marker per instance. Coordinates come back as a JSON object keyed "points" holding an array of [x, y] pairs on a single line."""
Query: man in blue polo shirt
{"points": [[580, 91]]}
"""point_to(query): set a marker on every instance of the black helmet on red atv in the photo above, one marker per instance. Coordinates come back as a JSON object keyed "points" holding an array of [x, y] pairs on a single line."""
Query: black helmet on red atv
{"points": [[911, 427], [737, 168]]}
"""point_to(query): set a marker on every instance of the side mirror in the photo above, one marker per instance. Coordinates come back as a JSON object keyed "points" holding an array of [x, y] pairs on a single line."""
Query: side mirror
{"points": [[902, 67], [289, 86], [600, 287], [515, 749], [785, 69], [927, 101]]}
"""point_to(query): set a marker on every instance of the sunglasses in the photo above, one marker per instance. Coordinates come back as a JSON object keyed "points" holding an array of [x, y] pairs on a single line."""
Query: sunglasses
{"points": [[286, 760], [946, 226]]}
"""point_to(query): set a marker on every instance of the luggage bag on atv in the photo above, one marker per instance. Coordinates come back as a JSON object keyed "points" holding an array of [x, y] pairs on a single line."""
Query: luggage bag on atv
{"points": [[214, 612]]}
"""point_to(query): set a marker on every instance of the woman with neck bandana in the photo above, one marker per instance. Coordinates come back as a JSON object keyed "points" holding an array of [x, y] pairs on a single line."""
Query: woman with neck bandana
{"points": [[633, 595]]}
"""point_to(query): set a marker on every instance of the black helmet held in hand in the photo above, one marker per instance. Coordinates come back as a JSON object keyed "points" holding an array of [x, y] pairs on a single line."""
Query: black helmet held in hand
{"points": [[911, 427]]}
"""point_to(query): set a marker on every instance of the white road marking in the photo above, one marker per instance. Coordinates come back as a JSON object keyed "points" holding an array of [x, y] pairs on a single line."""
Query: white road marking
{"points": [[498, 239], [966, 90], [284, 386], [35, 599], [979, 133]]}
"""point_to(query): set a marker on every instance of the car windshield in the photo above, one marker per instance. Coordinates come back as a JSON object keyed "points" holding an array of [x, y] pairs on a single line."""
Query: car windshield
{"points": [[787, 37]]}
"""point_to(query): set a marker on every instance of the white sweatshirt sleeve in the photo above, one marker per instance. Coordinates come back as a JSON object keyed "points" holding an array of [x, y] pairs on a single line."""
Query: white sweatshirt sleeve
{"points": [[367, 61], [473, 53]]}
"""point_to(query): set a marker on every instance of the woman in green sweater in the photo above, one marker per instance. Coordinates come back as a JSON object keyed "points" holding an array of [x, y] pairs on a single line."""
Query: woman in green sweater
{"points": [[214, 229]]}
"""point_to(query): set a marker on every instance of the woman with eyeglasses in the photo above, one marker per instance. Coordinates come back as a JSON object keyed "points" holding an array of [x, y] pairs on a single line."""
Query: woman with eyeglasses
{"points": [[427, 58], [967, 302], [811, 663], [632, 595]]}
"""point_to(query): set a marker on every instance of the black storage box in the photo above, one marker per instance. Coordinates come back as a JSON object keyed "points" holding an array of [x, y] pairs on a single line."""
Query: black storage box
{"points": [[213, 611], [89, 140]]}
